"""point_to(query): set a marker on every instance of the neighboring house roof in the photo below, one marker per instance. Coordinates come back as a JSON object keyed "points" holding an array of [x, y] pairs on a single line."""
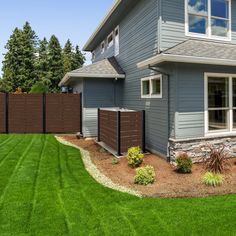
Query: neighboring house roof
{"points": [[117, 12], [196, 51], [106, 68]]}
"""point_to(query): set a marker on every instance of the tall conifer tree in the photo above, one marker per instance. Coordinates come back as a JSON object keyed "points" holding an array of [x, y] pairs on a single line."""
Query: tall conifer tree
{"points": [[55, 63]]}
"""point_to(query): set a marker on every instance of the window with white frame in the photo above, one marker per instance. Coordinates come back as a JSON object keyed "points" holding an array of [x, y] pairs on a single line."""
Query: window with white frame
{"points": [[220, 103], [117, 39], [93, 55], [208, 18], [151, 87], [110, 40], [102, 47]]}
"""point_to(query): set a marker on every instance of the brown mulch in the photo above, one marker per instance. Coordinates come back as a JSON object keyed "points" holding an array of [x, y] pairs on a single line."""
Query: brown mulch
{"points": [[168, 182]]}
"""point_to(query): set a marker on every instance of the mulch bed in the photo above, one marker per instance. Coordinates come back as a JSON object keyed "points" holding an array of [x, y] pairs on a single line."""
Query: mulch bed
{"points": [[168, 182]]}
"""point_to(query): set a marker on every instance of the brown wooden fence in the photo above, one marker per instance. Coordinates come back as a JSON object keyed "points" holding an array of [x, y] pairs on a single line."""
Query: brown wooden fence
{"points": [[40, 113], [121, 130]]}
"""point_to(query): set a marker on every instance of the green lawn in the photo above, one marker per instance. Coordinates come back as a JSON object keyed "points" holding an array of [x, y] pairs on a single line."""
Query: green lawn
{"points": [[45, 190]]}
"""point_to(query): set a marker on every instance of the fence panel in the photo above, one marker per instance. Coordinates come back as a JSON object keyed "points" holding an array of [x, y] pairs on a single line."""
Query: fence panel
{"points": [[2, 113], [25, 113], [63, 113], [39, 113]]}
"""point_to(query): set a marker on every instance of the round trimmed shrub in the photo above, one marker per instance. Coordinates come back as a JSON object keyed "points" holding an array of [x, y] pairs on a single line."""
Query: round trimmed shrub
{"points": [[145, 175], [184, 163], [135, 156]]}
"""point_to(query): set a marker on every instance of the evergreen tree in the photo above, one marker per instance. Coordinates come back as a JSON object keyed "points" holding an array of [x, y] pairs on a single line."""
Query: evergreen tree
{"points": [[13, 62], [18, 64], [28, 71], [55, 63], [78, 59], [42, 63], [68, 57]]}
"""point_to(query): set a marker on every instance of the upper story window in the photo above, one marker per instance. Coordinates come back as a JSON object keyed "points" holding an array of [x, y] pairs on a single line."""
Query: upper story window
{"points": [[93, 56], [102, 47], [110, 40], [209, 18], [117, 41]]}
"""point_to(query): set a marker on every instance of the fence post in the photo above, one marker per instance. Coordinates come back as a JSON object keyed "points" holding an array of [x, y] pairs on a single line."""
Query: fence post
{"points": [[118, 134], [99, 140], [143, 132], [6, 112], [44, 113]]}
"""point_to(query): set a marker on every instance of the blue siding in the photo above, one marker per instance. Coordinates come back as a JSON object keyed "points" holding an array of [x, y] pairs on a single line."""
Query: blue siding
{"points": [[139, 41], [173, 23], [189, 109]]}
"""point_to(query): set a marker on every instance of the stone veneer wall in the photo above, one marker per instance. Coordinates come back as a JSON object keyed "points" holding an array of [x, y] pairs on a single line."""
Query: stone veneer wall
{"points": [[198, 148]]}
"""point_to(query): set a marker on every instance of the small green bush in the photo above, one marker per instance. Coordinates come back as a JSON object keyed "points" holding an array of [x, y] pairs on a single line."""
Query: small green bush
{"points": [[115, 161], [144, 175], [212, 179], [184, 163], [135, 156]]}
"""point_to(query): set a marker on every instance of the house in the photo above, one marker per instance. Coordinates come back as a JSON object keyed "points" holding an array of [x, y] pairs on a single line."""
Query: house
{"points": [[177, 61]]}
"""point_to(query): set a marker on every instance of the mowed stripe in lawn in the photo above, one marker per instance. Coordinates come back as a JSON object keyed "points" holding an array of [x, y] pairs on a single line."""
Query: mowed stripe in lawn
{"points": [[45, 190]]}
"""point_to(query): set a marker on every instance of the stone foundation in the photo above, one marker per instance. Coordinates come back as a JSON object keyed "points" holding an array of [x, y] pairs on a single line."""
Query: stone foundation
{"points": [[198, 148]]}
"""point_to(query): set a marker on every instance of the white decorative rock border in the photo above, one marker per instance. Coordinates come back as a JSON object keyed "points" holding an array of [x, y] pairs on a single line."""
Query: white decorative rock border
{"points": [[96, 173]]}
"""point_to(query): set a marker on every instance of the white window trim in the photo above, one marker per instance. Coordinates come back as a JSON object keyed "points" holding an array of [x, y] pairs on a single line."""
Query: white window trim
{"points": [[208, 34], [118, 51], [112, 42], [230, 130], [93, 55], [102, 49], [150, 78]]}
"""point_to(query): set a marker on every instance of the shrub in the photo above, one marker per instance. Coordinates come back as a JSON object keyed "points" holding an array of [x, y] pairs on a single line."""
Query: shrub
{"points": [[135, 156], [39, 87], [115, 161], [144, 175], [212, 179], [184, 163], [217, 161]]}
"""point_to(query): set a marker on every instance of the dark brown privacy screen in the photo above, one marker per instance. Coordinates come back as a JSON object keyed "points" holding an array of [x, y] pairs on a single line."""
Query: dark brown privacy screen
{"points": [[121, 130], [2, 113], [108, 128], [63, 113], [39, 113]]}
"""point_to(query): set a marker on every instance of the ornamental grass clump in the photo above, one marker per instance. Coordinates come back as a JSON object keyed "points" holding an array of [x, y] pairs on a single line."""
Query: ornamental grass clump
{"points": [[135, 156], [144, 175], [212, 179], [184, 163]]}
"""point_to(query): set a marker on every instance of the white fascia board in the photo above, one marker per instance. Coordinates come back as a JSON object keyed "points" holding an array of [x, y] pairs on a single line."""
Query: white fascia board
{"points": [[106, 18], [84, 75], [184, 59]]}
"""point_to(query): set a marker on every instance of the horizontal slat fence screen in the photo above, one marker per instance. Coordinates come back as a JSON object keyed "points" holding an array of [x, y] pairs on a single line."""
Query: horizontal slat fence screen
{"points": [[2, 113], [108, 128], [121, 130], [40, 113], [63, 113]]}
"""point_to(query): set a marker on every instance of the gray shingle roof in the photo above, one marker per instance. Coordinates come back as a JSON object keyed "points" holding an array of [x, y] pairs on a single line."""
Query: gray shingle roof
{"points": [[106, 68], [201, 48]]}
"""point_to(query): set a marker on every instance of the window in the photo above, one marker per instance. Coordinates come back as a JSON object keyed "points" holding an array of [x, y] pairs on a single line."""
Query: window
{"points": [[117, 43], [110, 40], [93, 56], [220, 103], [208, 18], [102, 47], [151, 87]]}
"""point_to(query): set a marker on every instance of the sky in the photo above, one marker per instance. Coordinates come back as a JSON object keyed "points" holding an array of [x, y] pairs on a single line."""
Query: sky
{"points": [[73, 19]]}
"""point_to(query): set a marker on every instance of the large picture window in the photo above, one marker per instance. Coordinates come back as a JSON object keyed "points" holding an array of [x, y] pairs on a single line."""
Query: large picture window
{"points": [[220, 103], [209, 18]]}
